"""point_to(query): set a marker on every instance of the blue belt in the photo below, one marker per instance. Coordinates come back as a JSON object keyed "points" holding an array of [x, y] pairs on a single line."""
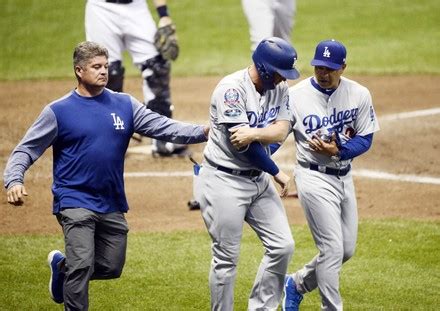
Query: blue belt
{"points": [[325, 169], [247, 173]]}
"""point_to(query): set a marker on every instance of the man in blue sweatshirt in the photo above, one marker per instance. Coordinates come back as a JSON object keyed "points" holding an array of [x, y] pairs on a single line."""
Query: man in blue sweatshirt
{"points": [[89, 130]]}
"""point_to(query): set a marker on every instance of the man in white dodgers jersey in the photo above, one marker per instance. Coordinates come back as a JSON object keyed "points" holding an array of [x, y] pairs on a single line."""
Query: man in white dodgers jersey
{"points": [[233, 186], [333, 122], [128, 25]]}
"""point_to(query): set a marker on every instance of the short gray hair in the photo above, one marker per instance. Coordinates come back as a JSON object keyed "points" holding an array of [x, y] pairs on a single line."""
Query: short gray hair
{"points": [[87, 50]]}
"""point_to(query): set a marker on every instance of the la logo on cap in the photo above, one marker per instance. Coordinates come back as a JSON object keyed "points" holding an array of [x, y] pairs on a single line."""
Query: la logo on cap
{"points": [[326, 52]]}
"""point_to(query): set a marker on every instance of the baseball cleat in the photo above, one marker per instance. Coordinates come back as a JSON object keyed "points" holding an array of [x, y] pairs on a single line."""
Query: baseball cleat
{"points": [[193, 205], [292, 298], [55, 259]]}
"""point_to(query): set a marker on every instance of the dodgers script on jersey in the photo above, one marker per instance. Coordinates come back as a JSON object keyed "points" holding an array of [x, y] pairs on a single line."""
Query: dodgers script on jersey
{"points": [[236, 101], [348, 111]]}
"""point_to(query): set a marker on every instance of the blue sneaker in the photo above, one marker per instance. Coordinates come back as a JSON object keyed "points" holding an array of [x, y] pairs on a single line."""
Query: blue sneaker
{"points": [[292, 298], [54, 260]]}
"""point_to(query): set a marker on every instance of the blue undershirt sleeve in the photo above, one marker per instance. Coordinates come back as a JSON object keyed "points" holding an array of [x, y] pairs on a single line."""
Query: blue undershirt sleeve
{"points": [[355, 146], [274, 147], [257, 155]]}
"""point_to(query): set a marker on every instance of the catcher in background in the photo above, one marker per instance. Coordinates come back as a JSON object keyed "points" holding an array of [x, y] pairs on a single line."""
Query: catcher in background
{"points": [[122, 25]]}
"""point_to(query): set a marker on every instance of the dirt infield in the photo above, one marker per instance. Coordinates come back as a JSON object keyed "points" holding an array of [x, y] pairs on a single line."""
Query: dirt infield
{"points": [[409, 147]]}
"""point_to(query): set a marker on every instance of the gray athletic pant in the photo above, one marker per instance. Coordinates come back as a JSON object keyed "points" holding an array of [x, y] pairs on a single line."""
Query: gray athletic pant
{"points": [[226, 202], [329, 204], [95, 249]]}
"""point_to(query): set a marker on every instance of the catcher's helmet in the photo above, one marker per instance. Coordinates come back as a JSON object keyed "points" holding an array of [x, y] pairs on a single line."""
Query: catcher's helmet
{"points": [[275, 55]]}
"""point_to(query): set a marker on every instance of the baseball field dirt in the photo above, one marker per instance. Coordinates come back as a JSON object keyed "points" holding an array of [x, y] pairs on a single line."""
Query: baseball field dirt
{"points": [[398, 178]]}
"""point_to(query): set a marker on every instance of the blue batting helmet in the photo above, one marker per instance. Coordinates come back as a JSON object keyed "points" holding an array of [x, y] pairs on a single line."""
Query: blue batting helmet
{"points": [[275, 55]]}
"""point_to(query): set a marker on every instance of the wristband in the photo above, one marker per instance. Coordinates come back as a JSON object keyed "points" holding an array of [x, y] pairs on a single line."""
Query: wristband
{"points": [[162, 10]]}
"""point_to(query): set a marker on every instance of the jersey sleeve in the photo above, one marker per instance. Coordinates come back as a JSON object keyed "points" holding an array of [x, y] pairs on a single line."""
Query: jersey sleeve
{"points": [[37, 139], [366, 122], [285, 112], [151, 124], [231, 105]]}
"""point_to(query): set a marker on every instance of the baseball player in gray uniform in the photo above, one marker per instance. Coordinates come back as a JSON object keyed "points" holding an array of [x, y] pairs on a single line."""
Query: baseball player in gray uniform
{"points": [[89, 130], [333, 122], [267, 18], [235, 186], [122, 25]]}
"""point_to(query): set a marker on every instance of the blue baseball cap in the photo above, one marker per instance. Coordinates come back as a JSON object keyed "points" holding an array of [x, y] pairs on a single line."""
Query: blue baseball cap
{"points": [[330, 54]]}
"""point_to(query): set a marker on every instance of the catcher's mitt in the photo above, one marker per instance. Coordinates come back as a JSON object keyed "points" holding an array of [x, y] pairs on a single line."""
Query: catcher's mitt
{"points": [[166, 43]]}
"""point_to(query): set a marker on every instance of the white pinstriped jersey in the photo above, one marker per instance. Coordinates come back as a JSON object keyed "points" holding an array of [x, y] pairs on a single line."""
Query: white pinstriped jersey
{"points": [[349, 111], [236, 101]]}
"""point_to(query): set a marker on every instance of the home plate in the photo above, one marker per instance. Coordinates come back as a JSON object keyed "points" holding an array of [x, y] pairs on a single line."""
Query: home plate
{"points": [[146, 149]]}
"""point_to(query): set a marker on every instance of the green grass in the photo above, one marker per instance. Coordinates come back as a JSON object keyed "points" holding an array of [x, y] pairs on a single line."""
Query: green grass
{"points": [[382, 36], [396, 267]]}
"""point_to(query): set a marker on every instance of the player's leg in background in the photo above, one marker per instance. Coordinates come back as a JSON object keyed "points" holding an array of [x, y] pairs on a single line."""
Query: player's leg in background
{"points": [[285, 12], [321, 196], [155, 71], [260, 17], [267, 217], [157, 96], [116, 76], [103, 26]]}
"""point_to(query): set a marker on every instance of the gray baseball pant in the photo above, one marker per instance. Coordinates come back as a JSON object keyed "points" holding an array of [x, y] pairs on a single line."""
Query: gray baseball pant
{"points": [[329, 204], [227, 201], [95, 247]]}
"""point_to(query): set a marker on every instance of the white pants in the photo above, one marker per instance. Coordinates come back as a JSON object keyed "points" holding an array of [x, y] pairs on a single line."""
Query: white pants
{"points": [[121, 27], [269, 18]]}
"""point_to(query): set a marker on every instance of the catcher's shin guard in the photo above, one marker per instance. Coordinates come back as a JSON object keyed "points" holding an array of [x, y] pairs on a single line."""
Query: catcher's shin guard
{"points": [[115, 76], [156, 85]]}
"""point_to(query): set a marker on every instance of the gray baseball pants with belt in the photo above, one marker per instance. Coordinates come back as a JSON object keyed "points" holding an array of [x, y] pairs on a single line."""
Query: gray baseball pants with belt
{"points": [[329, 204], [226, 202]]}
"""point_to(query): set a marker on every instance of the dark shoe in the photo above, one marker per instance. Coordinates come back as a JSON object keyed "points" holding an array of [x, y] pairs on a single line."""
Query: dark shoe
{"points": [[55, 259]]}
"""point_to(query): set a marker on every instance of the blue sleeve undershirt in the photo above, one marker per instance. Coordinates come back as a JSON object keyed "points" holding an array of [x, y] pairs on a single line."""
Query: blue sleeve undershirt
{"points": [[274, 147], [355, 146], [256, 154]]}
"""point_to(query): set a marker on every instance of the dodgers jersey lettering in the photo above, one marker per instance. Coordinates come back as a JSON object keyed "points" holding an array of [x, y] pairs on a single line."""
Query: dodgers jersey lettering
{"points": [[348, 111], [236, 101]]}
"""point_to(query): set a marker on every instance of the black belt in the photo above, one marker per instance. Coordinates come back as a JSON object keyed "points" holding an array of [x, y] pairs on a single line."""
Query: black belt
{"points": [[247, 173], [326, 170], [120, 1]]}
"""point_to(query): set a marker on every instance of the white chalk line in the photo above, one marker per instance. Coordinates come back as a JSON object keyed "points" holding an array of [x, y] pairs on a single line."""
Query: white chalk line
{"points": [[358, 173], [410, 114]]}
